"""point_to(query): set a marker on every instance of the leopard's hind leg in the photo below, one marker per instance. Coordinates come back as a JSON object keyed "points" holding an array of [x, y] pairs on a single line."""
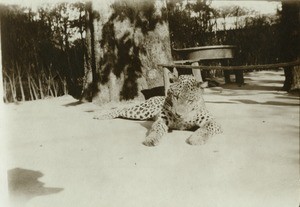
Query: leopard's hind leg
{"points": [[143, 111], [111, 115]]}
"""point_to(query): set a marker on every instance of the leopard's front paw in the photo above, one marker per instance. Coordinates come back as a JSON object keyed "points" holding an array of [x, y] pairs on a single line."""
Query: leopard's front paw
{"points": [[151, 141], [195, 140]]}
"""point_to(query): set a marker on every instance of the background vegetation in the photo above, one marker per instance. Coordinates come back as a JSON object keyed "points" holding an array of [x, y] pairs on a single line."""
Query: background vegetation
{"points": [[42, 51], [45, 52], [198, 24]]}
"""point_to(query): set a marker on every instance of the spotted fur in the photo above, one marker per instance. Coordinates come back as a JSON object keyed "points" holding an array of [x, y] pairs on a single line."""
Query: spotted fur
{"points": [[183, 108]]}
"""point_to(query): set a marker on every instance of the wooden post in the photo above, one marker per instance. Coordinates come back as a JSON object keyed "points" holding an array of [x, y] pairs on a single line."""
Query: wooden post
{"points": [[197, 72], [166, 80]]}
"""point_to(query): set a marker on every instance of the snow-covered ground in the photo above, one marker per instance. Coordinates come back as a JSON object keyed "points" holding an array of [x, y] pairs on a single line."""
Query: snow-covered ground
{"points": [[59, 156]]}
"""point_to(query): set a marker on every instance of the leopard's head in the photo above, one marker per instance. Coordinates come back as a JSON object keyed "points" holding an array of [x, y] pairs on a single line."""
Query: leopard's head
{"points": [[185, 95]]}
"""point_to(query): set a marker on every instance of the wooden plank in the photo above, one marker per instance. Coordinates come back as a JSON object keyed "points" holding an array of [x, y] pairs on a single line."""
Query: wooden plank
{"points": [[211, 47], [196, 72], [166, 79]]}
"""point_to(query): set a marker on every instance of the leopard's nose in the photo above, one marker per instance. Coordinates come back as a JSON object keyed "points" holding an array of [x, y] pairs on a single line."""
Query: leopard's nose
{"points": [[180, 111], [179, 115]]}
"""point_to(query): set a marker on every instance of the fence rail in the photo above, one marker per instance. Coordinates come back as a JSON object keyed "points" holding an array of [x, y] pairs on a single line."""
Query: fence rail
{"points": [[243, 67]]}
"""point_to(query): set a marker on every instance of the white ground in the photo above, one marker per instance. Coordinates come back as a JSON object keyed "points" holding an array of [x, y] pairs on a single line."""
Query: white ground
{"points": [[58, 156]]}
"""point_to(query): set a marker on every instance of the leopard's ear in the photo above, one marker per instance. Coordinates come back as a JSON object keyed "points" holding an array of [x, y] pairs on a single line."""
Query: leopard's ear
{"points": [[202, 84], [174, 79], [173, 76]]}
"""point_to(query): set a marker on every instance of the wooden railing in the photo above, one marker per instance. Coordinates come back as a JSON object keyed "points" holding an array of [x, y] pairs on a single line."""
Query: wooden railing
{"points": [[243, 67], [166, 68]]}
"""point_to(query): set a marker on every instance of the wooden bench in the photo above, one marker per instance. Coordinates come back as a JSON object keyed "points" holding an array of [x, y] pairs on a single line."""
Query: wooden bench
{"points": [[195, 55]]}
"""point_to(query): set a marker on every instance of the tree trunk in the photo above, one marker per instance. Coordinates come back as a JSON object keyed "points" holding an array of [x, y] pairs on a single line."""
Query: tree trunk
{"points": [[35, 88], [12, 84], [29, 86], [296, 78], [89, 80], [2, 79], [124, 48], [4, 90], [20, 83], [41, 87], [290, 38]]}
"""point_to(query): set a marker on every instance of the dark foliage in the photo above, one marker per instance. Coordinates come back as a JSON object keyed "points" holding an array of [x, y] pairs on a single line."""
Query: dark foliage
{"points": [[108, 43], [37, 44], [256, 41], [262, 48], [124, 45], [189, 22], [122, 56], [133, 71]]}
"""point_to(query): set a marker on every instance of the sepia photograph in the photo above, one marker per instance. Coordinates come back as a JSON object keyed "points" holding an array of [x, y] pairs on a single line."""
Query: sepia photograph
{"points": [[153, 103]]}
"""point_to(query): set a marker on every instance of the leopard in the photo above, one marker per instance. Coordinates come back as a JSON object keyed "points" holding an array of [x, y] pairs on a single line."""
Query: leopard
{"points": [[183, 108]]}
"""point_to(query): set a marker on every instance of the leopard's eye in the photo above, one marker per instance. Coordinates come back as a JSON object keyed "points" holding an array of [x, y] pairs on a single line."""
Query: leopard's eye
{"points": [[175, 96]]}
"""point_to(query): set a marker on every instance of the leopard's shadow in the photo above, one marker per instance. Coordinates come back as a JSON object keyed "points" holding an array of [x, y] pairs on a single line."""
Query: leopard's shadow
{"points": [[24, 184]]}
